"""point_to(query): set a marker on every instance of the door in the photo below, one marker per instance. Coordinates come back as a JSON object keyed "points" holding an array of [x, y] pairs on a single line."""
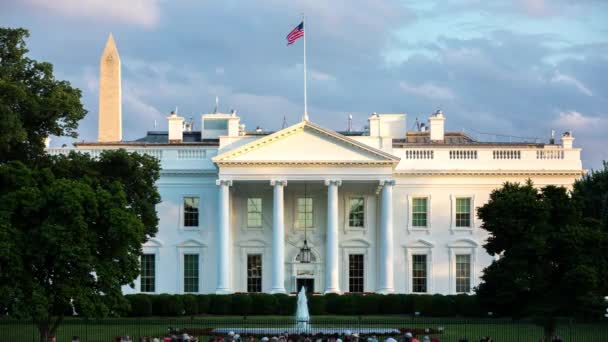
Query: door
{"points": [[309, 283]]}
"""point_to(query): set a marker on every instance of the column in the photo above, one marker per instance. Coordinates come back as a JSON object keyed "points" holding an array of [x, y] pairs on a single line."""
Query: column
{"points": [[278, 238], [332, 283], [385, 241], [224, 266]]}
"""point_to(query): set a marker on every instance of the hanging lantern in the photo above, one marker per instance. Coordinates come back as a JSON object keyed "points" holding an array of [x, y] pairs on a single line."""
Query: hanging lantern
{"points": [[304, 256]]}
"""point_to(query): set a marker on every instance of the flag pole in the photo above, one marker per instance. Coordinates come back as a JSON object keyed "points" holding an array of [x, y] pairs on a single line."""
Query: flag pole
{"points": [[305, 118]]}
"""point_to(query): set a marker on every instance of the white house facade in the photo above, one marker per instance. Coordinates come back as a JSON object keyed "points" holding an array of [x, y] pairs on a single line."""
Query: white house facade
{"points": [[384, 210]]}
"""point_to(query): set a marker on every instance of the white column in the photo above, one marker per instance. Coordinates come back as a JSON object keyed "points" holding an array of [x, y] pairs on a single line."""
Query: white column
{"points": [[385, 241], [223, 238], [278, 238], [332, 283]]}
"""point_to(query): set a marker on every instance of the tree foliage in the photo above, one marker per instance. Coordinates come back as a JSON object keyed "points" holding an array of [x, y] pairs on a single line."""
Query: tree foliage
{"points": [[71, 227], [549, 262], [33, 104]]}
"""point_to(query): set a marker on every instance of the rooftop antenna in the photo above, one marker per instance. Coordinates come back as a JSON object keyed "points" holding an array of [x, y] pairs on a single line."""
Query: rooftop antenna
{"points": [[217, 104], [175, 110], [350, 123], [284, 122], [552, 141]]}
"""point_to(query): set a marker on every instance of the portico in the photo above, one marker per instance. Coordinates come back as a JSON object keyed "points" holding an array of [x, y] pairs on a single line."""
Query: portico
{"points": [[331, 168]]}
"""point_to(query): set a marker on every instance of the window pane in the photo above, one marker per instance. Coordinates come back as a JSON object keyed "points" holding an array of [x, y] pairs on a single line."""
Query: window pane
{"points": [[463, 212], [356, 212], [419, 278], [148, 273], [419, 212], [463, 273], [254, 212], [355, 273], [191, 273], [191, 211], [304, 216], [254, 273]]}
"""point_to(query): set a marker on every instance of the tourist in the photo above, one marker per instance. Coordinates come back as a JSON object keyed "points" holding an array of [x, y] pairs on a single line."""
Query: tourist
{"points": [[408, 337], [426, 339], [390, 339], [264, 339]]}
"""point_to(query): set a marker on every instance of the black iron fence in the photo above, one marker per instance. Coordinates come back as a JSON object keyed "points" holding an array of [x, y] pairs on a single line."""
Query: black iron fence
{"points": [[205, 328]]}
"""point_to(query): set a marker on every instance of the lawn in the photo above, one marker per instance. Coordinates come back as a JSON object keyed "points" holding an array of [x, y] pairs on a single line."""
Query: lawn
{"points": [[452, 328]]}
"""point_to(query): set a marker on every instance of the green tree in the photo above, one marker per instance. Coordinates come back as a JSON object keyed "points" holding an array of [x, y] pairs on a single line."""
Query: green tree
{"points": [[591, 192], [33, 104], [549, 264], [71, 227]]}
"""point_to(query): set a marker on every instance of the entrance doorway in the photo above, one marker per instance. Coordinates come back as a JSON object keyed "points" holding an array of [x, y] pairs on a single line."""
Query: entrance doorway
{"points": [[309, 283]]}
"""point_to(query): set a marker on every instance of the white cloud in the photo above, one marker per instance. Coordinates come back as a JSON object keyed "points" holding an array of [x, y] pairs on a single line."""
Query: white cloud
{"points": [[429, 90], [559, 77], [321, 76], [578, 121], [144, 13]]}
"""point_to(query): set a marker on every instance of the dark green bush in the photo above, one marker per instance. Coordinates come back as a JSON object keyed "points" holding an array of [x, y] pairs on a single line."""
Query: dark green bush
{"points": [[203, 303], [220, 305], [266, 304], [167, 305], [190, 304], [140, 305], [316, 305], [242, 304]]}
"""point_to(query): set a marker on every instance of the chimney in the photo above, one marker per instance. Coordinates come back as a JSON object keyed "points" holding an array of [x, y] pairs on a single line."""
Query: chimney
{"points": [[176, 128], [567, 140], [436, 123], [110, 112]]}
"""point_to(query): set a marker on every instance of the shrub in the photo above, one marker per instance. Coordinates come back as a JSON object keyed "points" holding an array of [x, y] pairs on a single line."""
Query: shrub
{"points": [[220, 305], [190, 304], [423, 304], [203, 303], [287, 304], [242, 304], [369, 305], [140, 305], [167, 305], [442, 306], [316, 305], [264, 304], [331, 303]]}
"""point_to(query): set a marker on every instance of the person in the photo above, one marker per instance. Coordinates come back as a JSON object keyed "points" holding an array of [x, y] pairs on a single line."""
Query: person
{"points": [[415, 339], [426, 339], [264, 339], [390, 339], [408, 337]]}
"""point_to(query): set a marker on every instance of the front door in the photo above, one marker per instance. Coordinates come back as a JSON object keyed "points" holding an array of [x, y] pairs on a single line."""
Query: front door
{"points": [[309, 283]]}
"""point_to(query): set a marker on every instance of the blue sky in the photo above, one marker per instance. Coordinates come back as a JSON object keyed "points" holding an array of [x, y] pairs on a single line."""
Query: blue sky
{"points": [[517, 67]]}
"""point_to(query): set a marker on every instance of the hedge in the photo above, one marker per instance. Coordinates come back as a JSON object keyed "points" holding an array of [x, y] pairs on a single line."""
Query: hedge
{"points": [[241, 304]]}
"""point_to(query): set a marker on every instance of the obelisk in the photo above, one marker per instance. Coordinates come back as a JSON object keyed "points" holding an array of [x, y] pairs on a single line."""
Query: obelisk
{"points": [[110, 112]]}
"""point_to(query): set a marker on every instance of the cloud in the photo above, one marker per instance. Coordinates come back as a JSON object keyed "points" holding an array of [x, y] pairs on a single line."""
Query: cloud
{"points": [[144, 13], [559, 77], [428, 90], [578, 121], [321, 76]]}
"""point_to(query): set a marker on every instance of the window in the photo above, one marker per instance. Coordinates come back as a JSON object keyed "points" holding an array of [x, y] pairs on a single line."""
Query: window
{"points": [[304, 215], [463, 212], [254, 212], [254, 273], [356, 211], [190, 272], [419, 272], [355, 272], [190, 211], [148, 273], [419, 212], [463, 273]]}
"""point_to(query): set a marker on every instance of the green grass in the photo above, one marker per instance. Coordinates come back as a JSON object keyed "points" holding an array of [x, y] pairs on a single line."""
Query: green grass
{"points": [[453, 328]]}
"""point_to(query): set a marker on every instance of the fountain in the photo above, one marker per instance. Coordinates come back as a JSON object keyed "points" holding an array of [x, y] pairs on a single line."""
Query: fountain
{"points": [[302, 315], [302, 325]]}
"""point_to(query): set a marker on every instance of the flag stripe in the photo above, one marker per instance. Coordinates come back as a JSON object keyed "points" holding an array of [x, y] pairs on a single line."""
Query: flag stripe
{"points": [[296, 33]]}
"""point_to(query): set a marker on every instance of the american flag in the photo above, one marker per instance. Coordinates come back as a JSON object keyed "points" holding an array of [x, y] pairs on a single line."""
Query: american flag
{"points": [[295, 34]]}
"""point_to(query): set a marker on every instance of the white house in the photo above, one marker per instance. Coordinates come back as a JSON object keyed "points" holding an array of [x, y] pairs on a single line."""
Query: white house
{"points": [[384, 210]]}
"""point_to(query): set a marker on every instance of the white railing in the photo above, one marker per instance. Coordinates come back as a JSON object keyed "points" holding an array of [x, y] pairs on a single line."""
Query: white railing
{"points": [[550, 154], [463, 154], [191, 154], [419, 154], [506, 154]]}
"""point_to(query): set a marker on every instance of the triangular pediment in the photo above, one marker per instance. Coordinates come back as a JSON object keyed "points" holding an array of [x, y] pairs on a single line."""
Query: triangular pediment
{"points": [[304, 143]]}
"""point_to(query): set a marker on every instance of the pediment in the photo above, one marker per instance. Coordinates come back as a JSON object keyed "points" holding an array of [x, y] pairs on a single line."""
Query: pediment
{"points": [[305, 143]]}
